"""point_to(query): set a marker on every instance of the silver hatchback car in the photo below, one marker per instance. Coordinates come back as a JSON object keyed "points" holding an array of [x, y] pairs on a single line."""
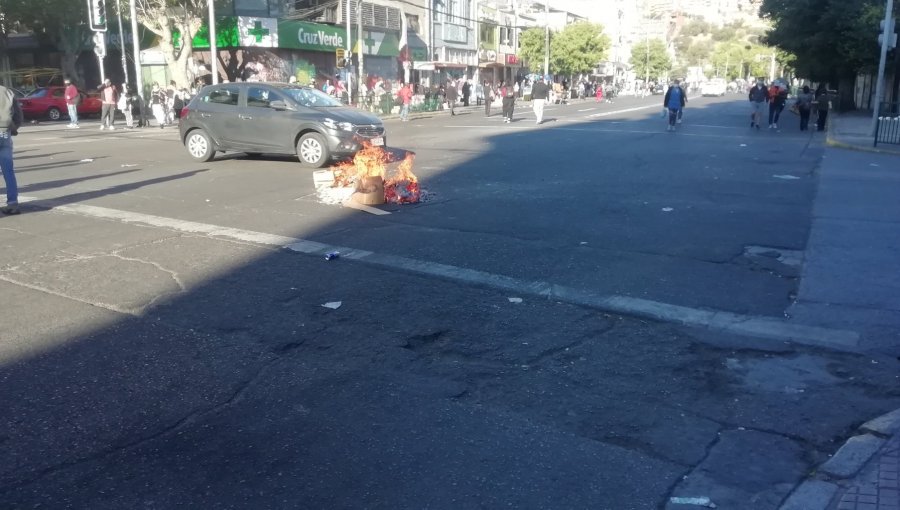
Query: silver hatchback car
{"points": [[275, 118]]}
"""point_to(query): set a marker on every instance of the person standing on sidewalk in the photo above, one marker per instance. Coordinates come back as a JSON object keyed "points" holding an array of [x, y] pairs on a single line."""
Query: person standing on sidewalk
{"points": [[11, 118], [804, 105], [158, 104], [405, 96], [109, 97], [759, 96], [452, 95], [73, 99], [539, 93]]}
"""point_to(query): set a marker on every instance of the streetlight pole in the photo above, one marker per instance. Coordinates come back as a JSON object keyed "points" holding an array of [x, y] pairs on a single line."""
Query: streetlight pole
{"points": [[136, 56], [122, 40], [359, 39], [879, 85], [213, 50], [546, 38]]}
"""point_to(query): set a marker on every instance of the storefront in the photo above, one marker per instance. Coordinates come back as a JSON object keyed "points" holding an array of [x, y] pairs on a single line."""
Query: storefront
{"points": [[308, 50]]}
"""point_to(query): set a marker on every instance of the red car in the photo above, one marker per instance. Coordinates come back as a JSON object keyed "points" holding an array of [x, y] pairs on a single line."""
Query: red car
{"points": [[50, 102]]}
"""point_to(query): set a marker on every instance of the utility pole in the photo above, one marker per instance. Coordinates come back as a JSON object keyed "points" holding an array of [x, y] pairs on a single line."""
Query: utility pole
{"points": [[885, 44], [136, 56], [350, 56], [546, 38], [122, 40], [359, 39], [213, 50]]}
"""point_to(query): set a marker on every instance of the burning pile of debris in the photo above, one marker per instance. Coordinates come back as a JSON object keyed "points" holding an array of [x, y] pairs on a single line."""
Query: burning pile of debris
{"points": [[373, 177]]}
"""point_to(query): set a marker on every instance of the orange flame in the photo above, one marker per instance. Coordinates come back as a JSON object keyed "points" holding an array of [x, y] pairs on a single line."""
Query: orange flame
{"points": [[401, 184]]}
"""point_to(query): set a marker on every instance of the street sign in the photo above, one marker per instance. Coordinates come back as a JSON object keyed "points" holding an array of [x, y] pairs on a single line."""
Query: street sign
{"points": [[339, 57], [97, 15], [100, 44]]}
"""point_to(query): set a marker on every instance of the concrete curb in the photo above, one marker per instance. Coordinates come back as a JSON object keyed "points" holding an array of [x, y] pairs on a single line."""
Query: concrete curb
{"points": [[824, 484], [832, 141]]}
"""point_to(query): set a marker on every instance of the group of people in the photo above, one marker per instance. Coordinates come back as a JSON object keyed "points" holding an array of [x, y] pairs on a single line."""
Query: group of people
{"points": [[776, 97], [165, 104]]}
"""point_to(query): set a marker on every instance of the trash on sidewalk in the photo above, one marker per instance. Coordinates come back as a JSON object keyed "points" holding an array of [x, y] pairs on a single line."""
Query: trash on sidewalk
{"points": [[704, 501], [334, 305], [785, 176], [515, 300]]}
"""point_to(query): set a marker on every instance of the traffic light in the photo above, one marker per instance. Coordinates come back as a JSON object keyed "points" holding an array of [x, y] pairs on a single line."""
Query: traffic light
{"points": [[97, 15], [889, 32]]}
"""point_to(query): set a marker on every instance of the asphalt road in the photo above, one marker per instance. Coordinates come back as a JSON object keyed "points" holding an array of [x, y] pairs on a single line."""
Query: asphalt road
{"points": [[160, 347]]}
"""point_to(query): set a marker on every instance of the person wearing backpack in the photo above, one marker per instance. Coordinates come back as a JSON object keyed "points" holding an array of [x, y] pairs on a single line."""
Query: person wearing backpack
{"points": [[11, 118], [73, 99]]}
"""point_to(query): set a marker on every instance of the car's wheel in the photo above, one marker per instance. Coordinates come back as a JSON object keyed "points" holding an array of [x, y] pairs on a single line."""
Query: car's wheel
{"points": [[199, 145], [53, 113], [313, 151]]}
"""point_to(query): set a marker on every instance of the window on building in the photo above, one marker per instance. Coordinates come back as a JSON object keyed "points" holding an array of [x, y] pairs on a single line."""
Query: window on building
{"points": [[505, 35], [412, 22]]}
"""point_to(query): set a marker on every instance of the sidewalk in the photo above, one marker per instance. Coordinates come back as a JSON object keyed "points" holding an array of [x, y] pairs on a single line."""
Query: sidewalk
{"points": [[851, 280]]}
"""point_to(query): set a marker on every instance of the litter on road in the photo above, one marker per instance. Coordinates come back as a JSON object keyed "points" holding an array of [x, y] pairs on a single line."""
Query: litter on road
{"points": [[786, 177], [334, 305], [515, 300], [87, 160], [667, 209], [704, 501]]}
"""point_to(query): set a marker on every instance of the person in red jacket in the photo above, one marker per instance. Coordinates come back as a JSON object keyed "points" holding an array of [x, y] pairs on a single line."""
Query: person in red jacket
{"points": [[73, 98], [109, 96], [405, 96]]}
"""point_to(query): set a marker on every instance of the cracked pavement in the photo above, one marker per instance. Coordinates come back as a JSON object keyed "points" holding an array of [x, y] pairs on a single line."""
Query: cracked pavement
{"points": [[143, 367]]}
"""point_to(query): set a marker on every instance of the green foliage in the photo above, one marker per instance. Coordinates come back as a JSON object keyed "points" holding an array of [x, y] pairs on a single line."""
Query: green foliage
{"points": [[531, 48], [578, 48], [831, 40], [650, 58]]}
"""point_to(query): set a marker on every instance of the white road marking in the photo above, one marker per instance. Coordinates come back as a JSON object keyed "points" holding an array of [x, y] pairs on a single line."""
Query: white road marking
{"points": [[587, 110], [755, 326]]}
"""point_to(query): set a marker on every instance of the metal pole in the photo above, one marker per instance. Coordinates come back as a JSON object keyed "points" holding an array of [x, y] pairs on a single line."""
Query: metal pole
{"points": [[101, 37], [359, 39], [349, 58], [882, 61], [213, 51], [546, 38], [122, 40], [772, 68], [136, 56]]}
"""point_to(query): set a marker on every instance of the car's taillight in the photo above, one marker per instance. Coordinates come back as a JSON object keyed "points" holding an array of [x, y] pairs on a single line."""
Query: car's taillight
{"points": [[184, 112]]}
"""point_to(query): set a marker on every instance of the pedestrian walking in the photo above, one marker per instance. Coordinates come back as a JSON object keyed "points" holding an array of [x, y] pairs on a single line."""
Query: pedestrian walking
{"points": [[777, 100], [488, 97], [599, 94], [158, 104], [823, 104], [109, 97], [685, 100], [73, 100], [11, 118], [539, 93], [804, 107], [452, 95], [126, 105], [674, 101], [466, 92], [509, 102], [405, 96], [758, 96]]}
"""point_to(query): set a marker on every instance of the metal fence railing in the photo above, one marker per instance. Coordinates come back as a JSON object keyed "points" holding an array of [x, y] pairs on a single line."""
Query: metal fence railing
{"points": [[887, 128]]}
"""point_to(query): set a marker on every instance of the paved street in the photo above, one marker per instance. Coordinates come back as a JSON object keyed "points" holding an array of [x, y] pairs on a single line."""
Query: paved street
{"points": [[163, 343]]}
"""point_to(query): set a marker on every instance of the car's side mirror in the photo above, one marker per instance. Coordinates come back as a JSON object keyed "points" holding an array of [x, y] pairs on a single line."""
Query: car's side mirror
{"points": [[279, 105]]}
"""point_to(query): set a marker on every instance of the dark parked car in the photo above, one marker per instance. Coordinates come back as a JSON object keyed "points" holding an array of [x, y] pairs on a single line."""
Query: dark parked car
{"points": [[50, 102], [275, 118]]}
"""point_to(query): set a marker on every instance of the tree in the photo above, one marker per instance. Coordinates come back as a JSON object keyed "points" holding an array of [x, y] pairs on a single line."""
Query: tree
{"points": [[166, 18], [649, 58], [832, 41], [578, 48], [58, 23], [532, 49]]}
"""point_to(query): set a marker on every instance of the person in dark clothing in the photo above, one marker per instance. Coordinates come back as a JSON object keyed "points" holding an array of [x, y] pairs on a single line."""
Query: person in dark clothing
{"points": [[804, 105], [452, 95], [466, 92], [509, 101], [11, 118], [539, 94], [823, 100]]}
